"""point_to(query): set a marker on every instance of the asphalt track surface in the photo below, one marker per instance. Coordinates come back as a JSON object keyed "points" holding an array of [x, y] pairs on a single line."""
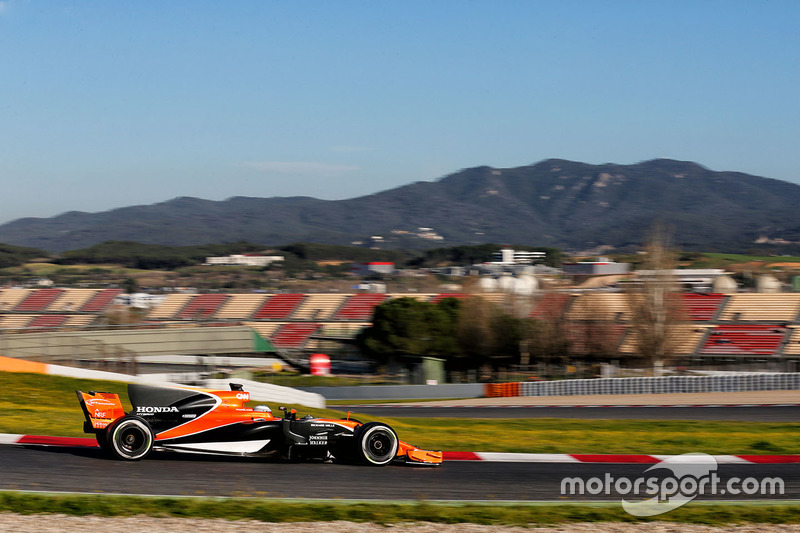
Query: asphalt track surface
{"points": [[56, 469], [772, 413]]}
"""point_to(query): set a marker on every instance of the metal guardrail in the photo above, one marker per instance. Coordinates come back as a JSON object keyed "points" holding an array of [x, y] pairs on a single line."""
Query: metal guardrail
{"points": [[663, 385]]}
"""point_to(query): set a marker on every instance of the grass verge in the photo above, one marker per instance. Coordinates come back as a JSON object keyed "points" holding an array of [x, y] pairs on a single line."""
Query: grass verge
{"points": [[387, 513], [47, 405]]}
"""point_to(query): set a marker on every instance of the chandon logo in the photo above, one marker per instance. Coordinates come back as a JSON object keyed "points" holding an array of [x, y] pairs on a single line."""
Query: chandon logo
{"points": [[154, 409]]}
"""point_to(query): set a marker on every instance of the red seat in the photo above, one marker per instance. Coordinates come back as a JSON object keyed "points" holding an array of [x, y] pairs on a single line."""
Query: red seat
{"points": [[755, 339], [359, 307], [702, 307], [279, 306], [38, 300], [100, 301], [294, 335], [203, 306]]}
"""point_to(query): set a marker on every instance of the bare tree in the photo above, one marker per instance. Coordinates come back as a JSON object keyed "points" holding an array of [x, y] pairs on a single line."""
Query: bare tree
{"points": [[656, 308]]}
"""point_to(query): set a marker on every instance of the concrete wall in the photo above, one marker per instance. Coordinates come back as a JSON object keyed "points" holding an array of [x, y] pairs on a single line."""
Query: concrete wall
{"points": [[400, 392], [96, 343]]}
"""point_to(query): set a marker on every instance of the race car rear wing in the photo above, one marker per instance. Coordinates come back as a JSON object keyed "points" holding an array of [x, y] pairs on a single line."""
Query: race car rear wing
{"points": [[100, 409]]}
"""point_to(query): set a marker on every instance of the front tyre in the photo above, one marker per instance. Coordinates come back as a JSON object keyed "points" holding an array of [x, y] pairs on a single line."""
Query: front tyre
{"points": [[376, 444], [130, 439]]}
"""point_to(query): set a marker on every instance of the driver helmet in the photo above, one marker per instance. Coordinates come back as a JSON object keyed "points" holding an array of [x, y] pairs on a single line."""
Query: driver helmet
{"points": [[262, 408]]}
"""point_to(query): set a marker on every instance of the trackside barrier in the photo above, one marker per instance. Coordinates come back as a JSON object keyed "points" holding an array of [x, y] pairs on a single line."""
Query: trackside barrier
{"points": [[660, 385], [501, 390]]}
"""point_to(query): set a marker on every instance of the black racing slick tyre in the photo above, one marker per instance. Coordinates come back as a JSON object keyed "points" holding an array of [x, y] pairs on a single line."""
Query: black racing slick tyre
{"points": [[376, 444], [130, 439]]}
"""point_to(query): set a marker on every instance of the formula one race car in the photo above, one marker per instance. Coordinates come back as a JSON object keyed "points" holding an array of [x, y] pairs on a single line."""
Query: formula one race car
{"points": [[217, 422]]}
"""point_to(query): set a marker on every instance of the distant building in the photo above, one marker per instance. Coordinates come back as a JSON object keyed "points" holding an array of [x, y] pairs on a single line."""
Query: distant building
{"points": [[603, 267], [243, 260], [509, 256], [363, 269], [691, 279], [139, 299]]}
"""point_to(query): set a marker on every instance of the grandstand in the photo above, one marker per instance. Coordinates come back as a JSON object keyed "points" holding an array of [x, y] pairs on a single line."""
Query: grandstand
{"points": [[47, 321], [702, 307], [742, 327], [612, 306], [170, 307], [240, 306], [551, 306], [756, 307], [745, 339], [685, 340], [202, 306], [792, 347], [71, 300], [37, 301], [265, 329], [294, 334], [10, 298], [279, 306], [15, 321], [100, 301], [359, 307], [319, 306]]}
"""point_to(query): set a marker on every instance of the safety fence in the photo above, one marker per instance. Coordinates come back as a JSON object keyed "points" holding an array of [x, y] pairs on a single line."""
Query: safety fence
{"points": [[649, 385]]}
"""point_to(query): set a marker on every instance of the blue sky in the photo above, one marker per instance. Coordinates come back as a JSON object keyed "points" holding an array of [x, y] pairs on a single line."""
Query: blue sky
{"points": [[110, 104]]}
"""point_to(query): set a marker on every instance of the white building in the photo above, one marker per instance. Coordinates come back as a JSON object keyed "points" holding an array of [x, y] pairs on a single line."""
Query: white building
{"points": [[243, 260], [142, 300], [509, 256], [375, 267]]}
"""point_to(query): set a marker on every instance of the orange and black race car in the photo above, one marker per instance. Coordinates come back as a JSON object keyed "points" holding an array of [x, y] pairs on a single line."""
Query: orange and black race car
{"points": [[217, 422]]}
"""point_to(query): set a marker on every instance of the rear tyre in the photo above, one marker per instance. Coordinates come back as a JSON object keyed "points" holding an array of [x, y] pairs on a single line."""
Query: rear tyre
{"points": [[376, 444], [130, 439]]}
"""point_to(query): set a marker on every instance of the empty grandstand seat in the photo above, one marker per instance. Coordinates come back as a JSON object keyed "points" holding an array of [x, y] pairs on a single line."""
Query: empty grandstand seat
{"points": [[686, 340], [170, 306], [359, 307], [780, 307], [71, 300], [279, 306], [552, 305], [601, 306], [9, 298], [15, 321], [702, 307], [294, 335], [241, 305], [100, 301], [793, 346], [47, 321], [202, 306], [318, 306], [79, 320], [744, 339], [38, 300]]}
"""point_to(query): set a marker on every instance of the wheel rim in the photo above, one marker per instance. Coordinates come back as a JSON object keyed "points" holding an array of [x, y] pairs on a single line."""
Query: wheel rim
{"points": [[379, 445], [132, 440]]}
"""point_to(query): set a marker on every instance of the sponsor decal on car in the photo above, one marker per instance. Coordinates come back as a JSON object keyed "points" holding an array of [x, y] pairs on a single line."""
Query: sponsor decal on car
{"points": [[95, 403], [153, 409]]}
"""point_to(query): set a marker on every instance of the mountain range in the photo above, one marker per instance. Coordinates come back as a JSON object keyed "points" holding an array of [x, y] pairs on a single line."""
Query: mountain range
{"points": [[565, 204]]}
